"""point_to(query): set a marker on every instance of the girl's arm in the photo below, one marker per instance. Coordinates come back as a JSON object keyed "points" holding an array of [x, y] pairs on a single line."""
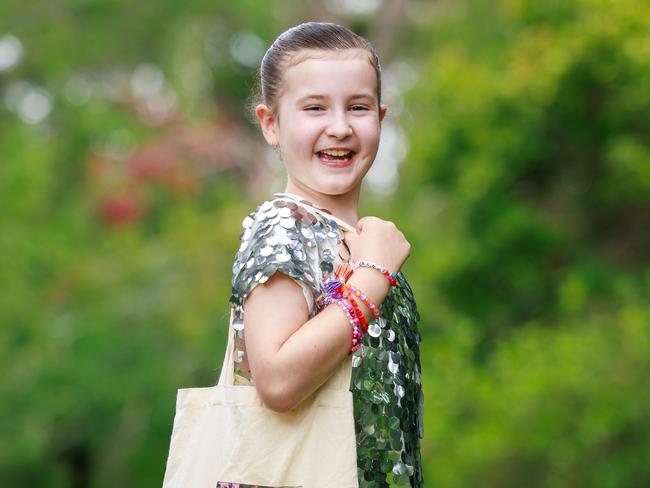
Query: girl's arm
{"points": [[290, 355]]}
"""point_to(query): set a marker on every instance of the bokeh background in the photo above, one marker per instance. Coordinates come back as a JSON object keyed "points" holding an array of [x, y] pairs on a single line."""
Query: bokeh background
{"points": [[515, 157]]}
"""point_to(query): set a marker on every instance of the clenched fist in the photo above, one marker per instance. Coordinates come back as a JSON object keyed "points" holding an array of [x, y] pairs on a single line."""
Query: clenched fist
{"points": [[379, 241]]}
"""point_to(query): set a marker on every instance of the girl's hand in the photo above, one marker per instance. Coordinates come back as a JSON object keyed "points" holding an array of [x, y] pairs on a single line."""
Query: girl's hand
{"points": [[379, 241]]}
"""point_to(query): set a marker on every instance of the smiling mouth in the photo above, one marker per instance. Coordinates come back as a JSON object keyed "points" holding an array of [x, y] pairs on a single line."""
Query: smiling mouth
{"points": [[336, 157]]}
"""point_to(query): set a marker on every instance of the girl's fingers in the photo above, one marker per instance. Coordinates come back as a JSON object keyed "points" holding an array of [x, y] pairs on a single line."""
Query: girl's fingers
{"points": [[350, 238], [360, 223]]}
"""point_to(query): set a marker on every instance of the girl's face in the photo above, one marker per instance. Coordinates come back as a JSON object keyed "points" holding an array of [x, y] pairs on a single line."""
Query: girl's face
{"points": [[327, 121]]}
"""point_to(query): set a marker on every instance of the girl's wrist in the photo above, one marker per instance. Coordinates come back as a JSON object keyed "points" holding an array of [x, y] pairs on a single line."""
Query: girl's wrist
{"points": [[372, 285], [352, 288], [389, 275]]}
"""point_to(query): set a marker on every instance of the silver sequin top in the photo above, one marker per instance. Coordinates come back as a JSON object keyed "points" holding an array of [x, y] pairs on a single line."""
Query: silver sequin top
{"points": [[292, 236]]}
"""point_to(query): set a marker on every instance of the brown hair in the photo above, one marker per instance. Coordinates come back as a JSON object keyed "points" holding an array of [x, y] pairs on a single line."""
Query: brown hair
{"points": [[321, 36]]}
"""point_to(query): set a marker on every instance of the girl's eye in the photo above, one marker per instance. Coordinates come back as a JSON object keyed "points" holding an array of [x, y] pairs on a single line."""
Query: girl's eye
{"points": [[313, 108], [357, 108]]}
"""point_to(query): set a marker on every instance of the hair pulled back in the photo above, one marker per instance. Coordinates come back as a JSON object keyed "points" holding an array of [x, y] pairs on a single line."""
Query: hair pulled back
{"points": [[321, 36]]}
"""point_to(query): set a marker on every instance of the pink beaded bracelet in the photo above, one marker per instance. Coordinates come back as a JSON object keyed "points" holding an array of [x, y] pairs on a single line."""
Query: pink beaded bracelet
{"points": [[357, 333]]}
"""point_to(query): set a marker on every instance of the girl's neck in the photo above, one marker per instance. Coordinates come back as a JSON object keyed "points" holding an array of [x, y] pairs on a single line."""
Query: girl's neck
{"points": [[345, 207]]}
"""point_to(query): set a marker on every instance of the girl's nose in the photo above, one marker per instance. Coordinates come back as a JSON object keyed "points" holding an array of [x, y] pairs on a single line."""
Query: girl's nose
{"points": [[339, 126]]}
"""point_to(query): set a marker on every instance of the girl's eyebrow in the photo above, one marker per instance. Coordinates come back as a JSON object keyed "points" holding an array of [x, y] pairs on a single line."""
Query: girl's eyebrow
{"points": [[323, 97], [311, 97], [363, 95]]}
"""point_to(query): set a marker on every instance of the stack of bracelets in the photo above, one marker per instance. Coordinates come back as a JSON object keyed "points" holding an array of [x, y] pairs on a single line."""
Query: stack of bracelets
{"points": [[344, 294]]}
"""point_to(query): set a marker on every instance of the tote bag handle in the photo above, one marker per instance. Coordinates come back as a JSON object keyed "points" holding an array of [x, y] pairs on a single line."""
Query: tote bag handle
{"points": [[227, 375]]}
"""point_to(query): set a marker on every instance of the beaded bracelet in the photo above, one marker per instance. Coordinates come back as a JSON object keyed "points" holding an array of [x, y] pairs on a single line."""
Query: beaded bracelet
{"points": [[357, 335], [364, 298], [359, 314], [337, 290], [392, 277]]}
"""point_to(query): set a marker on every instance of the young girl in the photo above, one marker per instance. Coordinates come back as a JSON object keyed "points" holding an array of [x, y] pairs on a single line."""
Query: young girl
{"points": [[314, 283]]}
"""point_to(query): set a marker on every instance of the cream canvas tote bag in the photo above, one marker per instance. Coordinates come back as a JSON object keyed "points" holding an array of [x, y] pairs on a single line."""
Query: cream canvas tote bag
{"points": [[225, 433]]}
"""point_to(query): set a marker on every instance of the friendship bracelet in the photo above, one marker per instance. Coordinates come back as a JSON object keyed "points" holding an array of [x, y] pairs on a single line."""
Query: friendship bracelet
{"points": [[364, 298], [359, 314], [356, 333], [343, 294], [392, 277]]}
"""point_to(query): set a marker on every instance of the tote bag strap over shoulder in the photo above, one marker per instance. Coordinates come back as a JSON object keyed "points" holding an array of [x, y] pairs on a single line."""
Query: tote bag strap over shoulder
{"points": [[227, 375]]}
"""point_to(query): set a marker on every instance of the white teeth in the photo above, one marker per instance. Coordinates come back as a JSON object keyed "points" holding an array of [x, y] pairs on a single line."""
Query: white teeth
{"points": [[336, 152]]}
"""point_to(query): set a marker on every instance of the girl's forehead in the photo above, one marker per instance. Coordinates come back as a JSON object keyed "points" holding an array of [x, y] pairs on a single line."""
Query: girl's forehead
{"points": [[330, 54], [326, 69]]}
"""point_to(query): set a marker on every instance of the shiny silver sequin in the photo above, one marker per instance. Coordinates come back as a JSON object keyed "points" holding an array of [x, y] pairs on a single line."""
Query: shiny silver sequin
{"points": [[374, 330], [238, 324], [239, 356], [266, 251], [285, 240], [283, 257], [272, 240], [287, 223]]}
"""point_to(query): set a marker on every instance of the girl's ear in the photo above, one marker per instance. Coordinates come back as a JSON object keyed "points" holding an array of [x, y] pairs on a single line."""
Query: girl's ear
{"points": [[382, 112], [267, 120]]}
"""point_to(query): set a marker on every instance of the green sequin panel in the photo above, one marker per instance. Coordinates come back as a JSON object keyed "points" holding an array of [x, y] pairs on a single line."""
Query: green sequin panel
{"points": [[387, 391]]}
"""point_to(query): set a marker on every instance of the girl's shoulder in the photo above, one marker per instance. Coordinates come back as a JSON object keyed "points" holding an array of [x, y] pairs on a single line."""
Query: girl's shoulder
{"points": [[288, 215], [288, 235]]}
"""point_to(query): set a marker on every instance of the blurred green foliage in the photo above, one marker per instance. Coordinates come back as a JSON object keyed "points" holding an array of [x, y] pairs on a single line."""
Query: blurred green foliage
{"points": [[529, 166], [525, 194]]}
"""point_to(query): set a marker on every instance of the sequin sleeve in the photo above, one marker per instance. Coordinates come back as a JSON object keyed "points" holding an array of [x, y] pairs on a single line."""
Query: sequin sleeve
{"points": [[282, 236]]}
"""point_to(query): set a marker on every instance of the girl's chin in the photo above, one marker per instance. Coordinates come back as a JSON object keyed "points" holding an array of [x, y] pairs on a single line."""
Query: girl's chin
{"points": [[334, 186]]}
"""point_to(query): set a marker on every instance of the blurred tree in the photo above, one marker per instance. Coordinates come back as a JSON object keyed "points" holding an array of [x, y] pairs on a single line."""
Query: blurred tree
{"points": [[126, 150], [128, 162], [529, 174], [120, 190]]}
